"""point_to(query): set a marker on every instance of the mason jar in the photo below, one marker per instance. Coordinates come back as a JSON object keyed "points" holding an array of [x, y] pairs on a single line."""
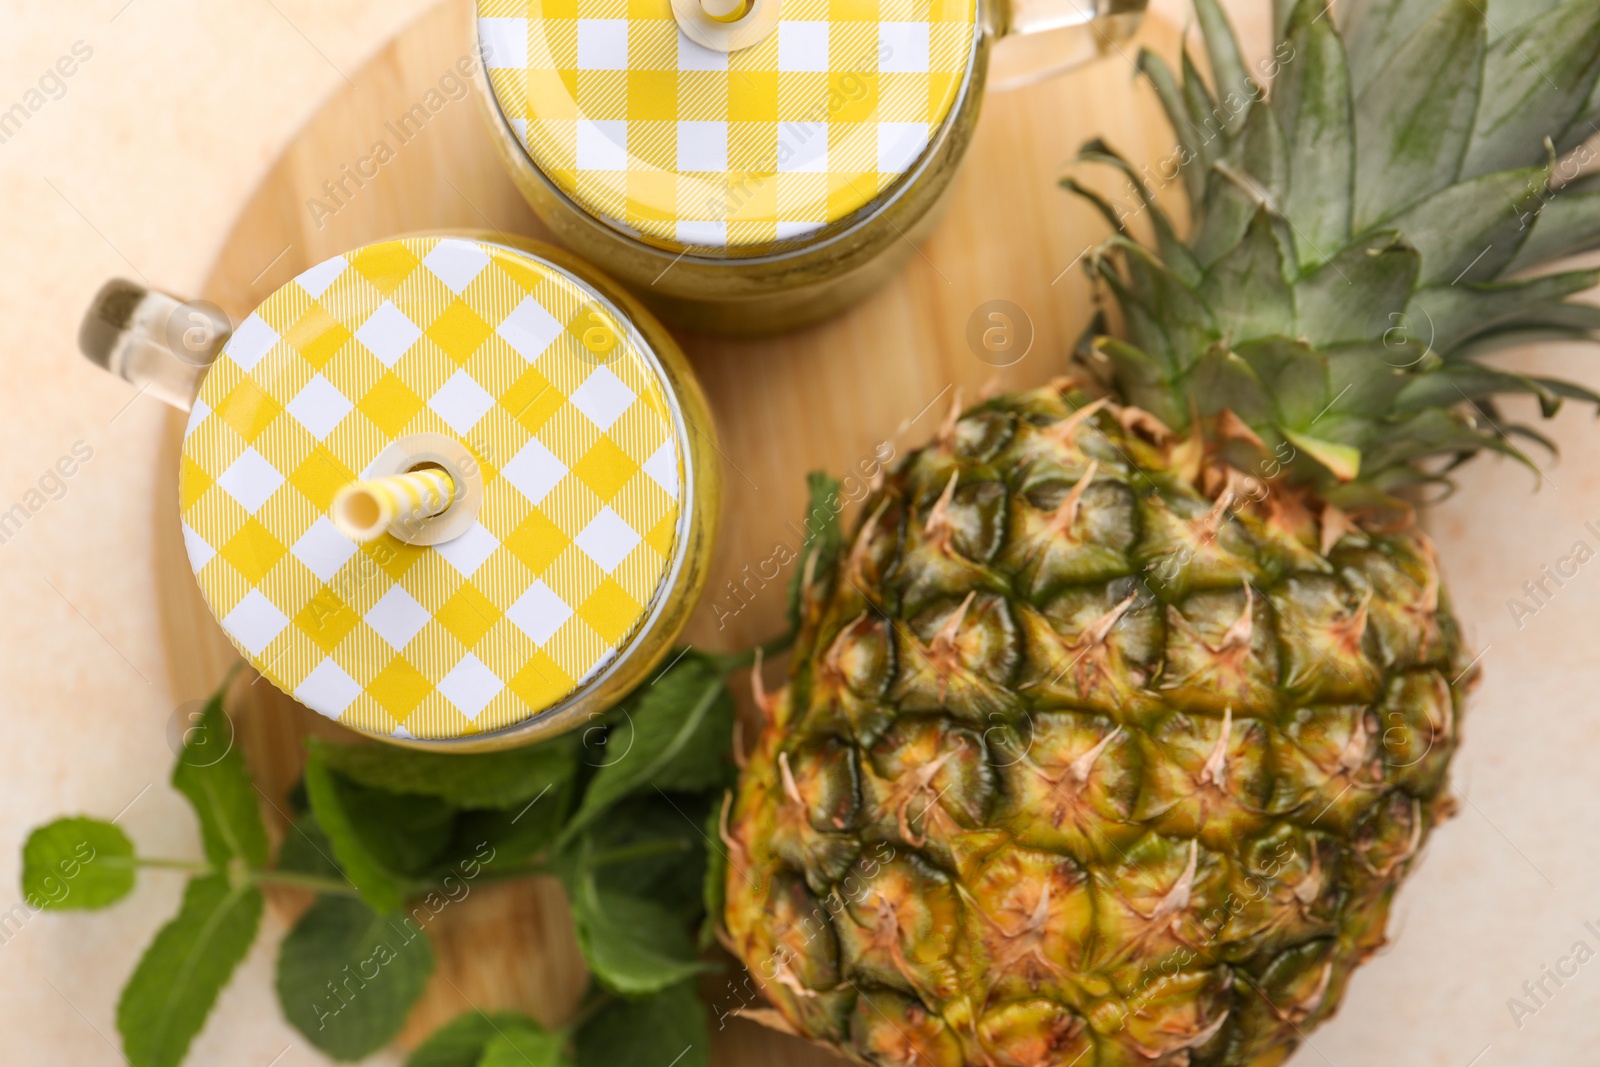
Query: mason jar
{"points": [[451, 491], [749, 166]]}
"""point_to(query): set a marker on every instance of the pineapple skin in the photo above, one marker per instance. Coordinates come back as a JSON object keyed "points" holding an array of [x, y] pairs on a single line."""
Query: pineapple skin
{"points": [[1080, 766]]}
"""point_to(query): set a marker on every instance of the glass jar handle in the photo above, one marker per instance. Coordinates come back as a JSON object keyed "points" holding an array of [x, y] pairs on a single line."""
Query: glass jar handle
{"points": [[153, 340], [1043, 38]]}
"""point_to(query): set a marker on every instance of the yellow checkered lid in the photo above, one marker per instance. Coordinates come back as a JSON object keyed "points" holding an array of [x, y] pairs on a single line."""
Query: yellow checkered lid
{"points": [[725, 153], [562, 419]]}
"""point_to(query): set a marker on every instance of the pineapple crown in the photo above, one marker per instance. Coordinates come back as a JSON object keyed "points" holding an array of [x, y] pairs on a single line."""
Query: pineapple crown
{"points": [[1362, 237]]}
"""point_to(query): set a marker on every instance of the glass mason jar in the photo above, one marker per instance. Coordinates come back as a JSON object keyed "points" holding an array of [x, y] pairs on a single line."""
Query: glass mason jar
{"points": [[749, 166], [451, 491]]}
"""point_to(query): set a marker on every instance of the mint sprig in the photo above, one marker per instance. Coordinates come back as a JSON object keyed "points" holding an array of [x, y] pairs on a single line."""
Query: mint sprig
{"points": [[390, 837], [180, 975], [625, 815]]}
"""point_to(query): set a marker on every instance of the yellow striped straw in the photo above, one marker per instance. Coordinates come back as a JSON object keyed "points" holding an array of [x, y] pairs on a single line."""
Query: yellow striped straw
{"points": [[365, 510]]}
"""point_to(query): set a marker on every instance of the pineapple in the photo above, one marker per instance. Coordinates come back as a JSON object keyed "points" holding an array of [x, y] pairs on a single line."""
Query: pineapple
{"points": [[1116, 724]]}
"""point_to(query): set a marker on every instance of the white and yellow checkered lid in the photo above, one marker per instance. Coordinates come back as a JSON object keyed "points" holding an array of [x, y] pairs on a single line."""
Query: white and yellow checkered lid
{"points": [[571, 429], [724, 153]]}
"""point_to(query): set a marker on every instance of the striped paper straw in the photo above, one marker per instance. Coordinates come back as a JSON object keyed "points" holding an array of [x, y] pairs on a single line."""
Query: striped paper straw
{"points": [[365, 510]]}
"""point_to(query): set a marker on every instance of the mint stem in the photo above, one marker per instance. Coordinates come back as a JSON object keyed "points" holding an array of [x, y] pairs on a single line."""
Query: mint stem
{"points": [[296, 879], [640, 850], [192, 866]]}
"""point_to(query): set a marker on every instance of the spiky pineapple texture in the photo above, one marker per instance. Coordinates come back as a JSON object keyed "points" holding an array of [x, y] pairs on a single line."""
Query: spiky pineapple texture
{"points": [[1079, 766], [1117, 723]]}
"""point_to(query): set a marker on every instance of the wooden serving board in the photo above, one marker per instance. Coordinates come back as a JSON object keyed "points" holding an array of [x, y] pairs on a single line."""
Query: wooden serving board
{"points": [[825, 397]]}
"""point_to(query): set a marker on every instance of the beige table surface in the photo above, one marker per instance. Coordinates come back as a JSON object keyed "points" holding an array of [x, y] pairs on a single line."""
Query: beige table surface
{"points": [[137, 169]]}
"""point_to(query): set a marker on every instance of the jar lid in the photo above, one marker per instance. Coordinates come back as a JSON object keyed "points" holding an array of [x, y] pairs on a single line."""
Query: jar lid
{"points": [[724, 153], [550, 402]]}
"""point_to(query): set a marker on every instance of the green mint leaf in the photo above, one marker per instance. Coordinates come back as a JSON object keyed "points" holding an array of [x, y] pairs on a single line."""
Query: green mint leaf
{"points": [[650, 847], [635, 885], [172, 990], [211, 773], [307, 850], [651, 1030], [348, 975], [488, 780], [633, 946], [821, 536], [76, 863], [379, 884], [672, 733], [524, 1044], [462, 1041], [512, 837], [404, 832]]}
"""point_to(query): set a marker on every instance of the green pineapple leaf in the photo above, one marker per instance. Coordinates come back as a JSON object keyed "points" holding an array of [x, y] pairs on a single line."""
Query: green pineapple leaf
{"points": [[1568, 223], [1265, 156], [1374, 30], [1231, 202], [1414, 120], [1509, 17], [819, 545], [1469, 309], [1185, 326], [1143, 332], [1470, 231], [1553, 322], [211, 773], [1235, 88], [1246, 287], [507, 779], [1358, 295], [76, 864], [1224, 380], [463, 1041], [1352, 380], [669, 1028], [1312, 96], [348, 975], [1295, 377], [1542, 73], [1342, 460], [167, 998], [1173, 102], [1139, 379], [1206, 118], [1173, 251], [1282, 12], [1582, 127], [674, 734], [1473, 381]]}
